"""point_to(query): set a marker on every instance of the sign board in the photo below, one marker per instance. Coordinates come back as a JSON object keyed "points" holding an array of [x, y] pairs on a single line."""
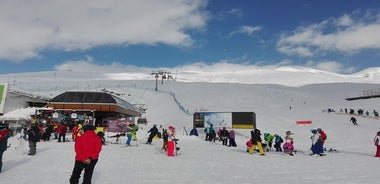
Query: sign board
{"points": [[117, 125], [244, 120], [3, 96]]}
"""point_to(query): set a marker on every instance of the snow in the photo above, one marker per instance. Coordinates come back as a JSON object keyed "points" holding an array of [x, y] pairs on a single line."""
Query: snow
{"points": [[208, 162]]}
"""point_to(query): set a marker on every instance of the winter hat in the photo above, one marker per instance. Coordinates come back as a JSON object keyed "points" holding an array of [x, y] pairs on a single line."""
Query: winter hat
{"points": [[88, 127], [314, 131]]}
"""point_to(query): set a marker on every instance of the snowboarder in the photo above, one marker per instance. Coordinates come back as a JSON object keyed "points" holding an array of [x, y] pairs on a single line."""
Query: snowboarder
{"points": [[377, 144], [153, 132], [87, 149], [4, 134], [353, 120]]}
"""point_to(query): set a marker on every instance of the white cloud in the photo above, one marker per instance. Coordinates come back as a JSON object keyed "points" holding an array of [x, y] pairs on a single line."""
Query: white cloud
{"points": [[347, 35], [89, 65], [28, 27], [330, 66], [248, 30]]}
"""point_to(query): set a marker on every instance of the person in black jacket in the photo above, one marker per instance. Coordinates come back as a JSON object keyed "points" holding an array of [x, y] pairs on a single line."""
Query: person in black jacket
{"points": [[256, 142], [153, 132], [4, 134], [33, 137], [224, 134]]}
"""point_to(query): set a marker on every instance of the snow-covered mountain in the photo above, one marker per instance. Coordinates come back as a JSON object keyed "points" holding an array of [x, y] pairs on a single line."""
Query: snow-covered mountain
{"points": [[279, 97]]}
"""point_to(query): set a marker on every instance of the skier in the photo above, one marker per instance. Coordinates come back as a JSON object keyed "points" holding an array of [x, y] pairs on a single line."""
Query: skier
{"points": [[289, 136], [129, 135], [224, 136], [153, 132], [77, 131], [34, 136], [231, 140], [208, 132], [165, 140], [377, 144], [62, 130], [277, 142], [256, 142], [323, 136], [288, 147], [353, 120], [269, 138], [4, 134], [134, 129], [171, 141], [316, 146]]}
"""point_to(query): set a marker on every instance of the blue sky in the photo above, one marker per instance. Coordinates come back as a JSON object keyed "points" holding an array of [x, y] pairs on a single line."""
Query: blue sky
{"points": [[340, 36]]}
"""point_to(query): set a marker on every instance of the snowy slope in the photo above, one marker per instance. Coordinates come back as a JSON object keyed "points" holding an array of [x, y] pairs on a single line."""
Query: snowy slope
{"points": [[205, 162]]}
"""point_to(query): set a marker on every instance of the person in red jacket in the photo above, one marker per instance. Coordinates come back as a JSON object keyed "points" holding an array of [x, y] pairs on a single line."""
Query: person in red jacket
{"points": [[87, 149]]}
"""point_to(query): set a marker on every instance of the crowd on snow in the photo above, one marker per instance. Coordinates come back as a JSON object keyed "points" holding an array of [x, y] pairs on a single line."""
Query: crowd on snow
{"points": [[284, 145], [359, 112], [88, 144]]}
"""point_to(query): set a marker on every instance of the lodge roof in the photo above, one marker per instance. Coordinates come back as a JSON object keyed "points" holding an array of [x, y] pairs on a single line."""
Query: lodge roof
{"points": [[93, 97]]}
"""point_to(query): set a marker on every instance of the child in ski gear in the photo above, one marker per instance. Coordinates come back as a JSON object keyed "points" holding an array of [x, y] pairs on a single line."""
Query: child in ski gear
{"points": [[208, 131], [316, 145], [129, 135], [269, 139], [224, 136], [377, 144], [288, 147], [77, 131], [256, 142], [231, 138], [323, 136], [277, 142], [171, 140], [33, 137], [87, 149], [289, 136], [134, 129], [249, 144], [4, 134], [165, 140]]}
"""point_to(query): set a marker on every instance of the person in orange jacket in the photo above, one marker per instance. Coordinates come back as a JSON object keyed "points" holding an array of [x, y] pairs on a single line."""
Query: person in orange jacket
{"points": [[87, 149]]}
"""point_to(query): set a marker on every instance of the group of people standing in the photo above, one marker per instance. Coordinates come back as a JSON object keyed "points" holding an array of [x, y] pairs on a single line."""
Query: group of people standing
{"points": [[255, 143], [226, 137]]}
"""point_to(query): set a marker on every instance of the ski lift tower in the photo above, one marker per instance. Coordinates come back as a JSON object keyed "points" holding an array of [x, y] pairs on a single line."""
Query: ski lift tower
{"points": [[164, 75]]}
